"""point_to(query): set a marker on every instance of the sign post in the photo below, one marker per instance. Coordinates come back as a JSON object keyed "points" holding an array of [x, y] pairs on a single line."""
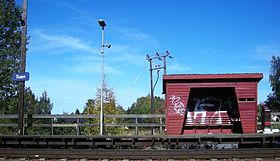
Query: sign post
{"points": [[22, 70]]}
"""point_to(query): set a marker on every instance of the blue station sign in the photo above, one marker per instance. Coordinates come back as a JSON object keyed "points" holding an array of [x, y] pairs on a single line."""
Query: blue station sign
{"points": [[24, 76]]}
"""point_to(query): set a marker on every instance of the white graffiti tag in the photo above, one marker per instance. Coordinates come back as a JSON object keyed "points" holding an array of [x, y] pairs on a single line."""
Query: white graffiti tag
{"points": [[177, 105]]}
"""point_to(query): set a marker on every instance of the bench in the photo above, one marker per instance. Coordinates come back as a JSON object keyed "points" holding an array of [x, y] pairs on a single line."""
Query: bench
{"points": [[208, 122]]}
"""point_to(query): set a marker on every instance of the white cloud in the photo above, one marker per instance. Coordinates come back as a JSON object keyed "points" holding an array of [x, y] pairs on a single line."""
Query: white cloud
{"points": [[129, 58], [265, 52], [79, 16], [57, 43], [138, 37], [93, 67]]}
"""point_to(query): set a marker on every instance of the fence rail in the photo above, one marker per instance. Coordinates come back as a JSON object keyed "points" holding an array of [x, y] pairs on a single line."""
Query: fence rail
{"points": [[79, 116], [78, 121]]}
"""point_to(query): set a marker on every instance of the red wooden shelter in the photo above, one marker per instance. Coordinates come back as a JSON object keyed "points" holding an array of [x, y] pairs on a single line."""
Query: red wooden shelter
{"points": [[211, 103]]}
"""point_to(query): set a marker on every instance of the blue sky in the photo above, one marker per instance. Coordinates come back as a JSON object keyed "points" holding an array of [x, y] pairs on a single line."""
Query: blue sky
{"points": [[203, 36]]}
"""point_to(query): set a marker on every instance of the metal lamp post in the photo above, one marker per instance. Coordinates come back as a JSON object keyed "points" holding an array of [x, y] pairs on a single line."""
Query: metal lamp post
{"points": [[102, 24]]}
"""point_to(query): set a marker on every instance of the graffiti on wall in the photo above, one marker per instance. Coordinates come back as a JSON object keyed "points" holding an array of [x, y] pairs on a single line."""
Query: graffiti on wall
{"points": [[210, 104], [207, 104], [177, 105]]}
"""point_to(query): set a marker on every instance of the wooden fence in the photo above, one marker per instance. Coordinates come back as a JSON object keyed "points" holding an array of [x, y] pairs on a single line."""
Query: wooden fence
{"points": [[78, 121]]}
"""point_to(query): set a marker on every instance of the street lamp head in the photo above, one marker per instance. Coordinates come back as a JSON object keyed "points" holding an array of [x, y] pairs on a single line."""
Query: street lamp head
{"points": [[102, 23]]}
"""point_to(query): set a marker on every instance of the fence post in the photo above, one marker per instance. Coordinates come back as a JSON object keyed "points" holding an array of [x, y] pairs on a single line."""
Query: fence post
{"points": [[160, 126], [136, 127], [52, 125], [78, 126]]}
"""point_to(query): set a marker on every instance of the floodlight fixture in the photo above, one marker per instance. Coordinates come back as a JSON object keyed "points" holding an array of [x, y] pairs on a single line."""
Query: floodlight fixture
{"points": [[102, 23]]}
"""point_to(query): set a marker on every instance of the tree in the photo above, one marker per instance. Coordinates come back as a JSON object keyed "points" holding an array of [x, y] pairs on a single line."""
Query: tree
{"points": [[109, 107], [77, 112], [34, 105], [273, 99], [45, 105], [31, 105], [10, 41], [274, 76], [143, 105]]}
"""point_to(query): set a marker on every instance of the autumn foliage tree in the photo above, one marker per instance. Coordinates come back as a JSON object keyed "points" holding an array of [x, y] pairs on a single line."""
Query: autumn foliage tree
{"points": [[109, 107]]}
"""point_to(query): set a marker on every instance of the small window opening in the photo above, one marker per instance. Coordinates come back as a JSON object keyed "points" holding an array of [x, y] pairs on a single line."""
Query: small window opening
{"points": [[250, 99], [242, 99]]}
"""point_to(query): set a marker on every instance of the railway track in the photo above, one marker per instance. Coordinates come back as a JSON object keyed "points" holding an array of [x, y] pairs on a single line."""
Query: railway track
{"points": [[139, 154]]}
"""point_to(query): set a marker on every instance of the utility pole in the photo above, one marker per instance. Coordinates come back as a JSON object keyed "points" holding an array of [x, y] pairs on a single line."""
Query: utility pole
{"points": [[152, 88], [22, 70], [157, 67]]}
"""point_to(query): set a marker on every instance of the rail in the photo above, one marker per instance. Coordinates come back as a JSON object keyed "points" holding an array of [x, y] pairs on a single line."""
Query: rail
{"points": [[79, 121], [133, 154]]}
